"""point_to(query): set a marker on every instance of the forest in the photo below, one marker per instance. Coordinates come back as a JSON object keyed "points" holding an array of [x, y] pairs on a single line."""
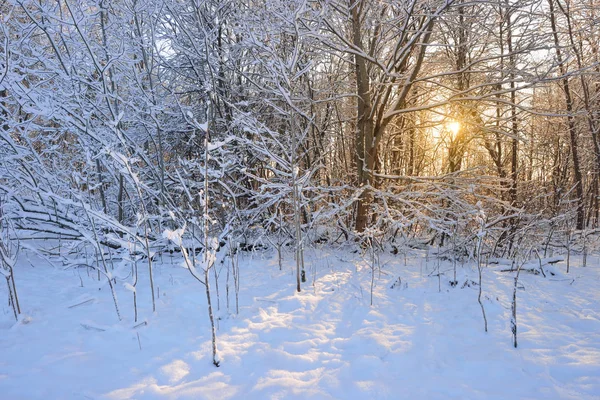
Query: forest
{"points": [[188, 186]]}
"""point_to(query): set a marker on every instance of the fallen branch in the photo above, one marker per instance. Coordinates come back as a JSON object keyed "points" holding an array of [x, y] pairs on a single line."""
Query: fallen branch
{"points": [[143, 323], [82, 303], [530, 270], [92, 328]]}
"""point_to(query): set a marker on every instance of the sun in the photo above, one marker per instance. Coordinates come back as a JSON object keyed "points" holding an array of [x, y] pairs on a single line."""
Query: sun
{"points": [[453, 127]]}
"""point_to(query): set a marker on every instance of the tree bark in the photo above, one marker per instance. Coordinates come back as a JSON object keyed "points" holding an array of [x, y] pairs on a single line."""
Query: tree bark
{"points": [[570, 121]]}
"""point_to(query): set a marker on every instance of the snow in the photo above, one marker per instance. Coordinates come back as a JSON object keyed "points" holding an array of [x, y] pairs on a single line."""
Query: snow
{"points": [[129, 287], [326, 342], [175, 236], [220, 143]]}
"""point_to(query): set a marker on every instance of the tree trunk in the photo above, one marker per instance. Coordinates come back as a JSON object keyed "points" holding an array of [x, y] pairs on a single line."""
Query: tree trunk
{"points": [[570, 121], [365, 150]]}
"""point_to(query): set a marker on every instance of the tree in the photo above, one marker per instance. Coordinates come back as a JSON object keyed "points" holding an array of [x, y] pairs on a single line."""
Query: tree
{"points": [[387, 60]]}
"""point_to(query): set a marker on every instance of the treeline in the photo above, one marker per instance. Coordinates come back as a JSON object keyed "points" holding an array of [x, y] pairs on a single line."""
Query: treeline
{"points": [[295, 121]]}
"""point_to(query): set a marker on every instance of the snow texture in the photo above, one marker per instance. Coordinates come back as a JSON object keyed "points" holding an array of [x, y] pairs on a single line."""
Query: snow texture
{"points": [[326, 342]]}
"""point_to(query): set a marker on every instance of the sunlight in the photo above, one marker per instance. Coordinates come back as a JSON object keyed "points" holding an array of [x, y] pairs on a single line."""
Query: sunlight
{"points": [[454, 127]]}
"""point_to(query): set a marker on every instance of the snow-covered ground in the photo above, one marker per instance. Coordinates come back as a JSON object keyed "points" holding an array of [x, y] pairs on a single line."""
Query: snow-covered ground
{"points": [[327, 342]]}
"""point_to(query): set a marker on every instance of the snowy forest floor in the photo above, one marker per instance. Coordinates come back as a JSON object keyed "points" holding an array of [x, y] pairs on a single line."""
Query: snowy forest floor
{"points": [[327, 342]]}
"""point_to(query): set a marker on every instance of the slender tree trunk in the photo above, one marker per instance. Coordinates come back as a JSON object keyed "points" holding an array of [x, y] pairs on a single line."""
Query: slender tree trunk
{"points": [[120, 196], [513, 109], [570, 121], [591, 121], [298, 232], [101, 186], [213, 331], [14, 291], [365, 156], [11, 299], [207, 245], [513, 320]]}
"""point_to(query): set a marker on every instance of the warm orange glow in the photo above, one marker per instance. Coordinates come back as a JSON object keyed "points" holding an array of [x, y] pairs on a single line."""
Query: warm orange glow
{"points": [[454, 127]]}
